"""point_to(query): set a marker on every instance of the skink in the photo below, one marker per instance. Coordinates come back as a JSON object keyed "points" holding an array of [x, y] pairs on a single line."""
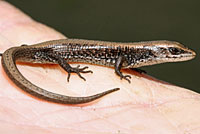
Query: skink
{"points": [[111, 54]]}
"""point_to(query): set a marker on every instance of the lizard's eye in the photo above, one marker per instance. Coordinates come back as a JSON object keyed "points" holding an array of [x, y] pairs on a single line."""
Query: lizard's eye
{"points": [[174, 50]]}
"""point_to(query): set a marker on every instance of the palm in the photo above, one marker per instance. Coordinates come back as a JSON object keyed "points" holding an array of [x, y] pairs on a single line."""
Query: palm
{"points": [[144, 106]]}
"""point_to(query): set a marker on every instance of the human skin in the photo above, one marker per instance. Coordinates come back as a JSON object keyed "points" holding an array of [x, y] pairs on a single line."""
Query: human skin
{"points": [[145, 106]]}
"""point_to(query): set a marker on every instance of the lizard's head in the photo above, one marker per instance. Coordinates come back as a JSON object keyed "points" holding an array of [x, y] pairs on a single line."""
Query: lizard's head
{"points": [[172, 51], [155, 52]]}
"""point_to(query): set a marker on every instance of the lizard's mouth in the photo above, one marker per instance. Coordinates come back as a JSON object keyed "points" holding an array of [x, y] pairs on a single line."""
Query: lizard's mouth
{"points": [[182, 57]]}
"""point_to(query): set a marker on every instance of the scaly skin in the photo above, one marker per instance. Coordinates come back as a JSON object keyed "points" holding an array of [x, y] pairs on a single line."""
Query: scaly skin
{"points": [[112, 54]]}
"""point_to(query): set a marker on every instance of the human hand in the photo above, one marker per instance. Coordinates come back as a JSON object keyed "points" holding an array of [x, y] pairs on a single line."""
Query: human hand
{"points": [[146, 105]]}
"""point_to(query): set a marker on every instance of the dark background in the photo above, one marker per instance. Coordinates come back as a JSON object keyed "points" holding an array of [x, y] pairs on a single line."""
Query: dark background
{"points": [[128, 20]]}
